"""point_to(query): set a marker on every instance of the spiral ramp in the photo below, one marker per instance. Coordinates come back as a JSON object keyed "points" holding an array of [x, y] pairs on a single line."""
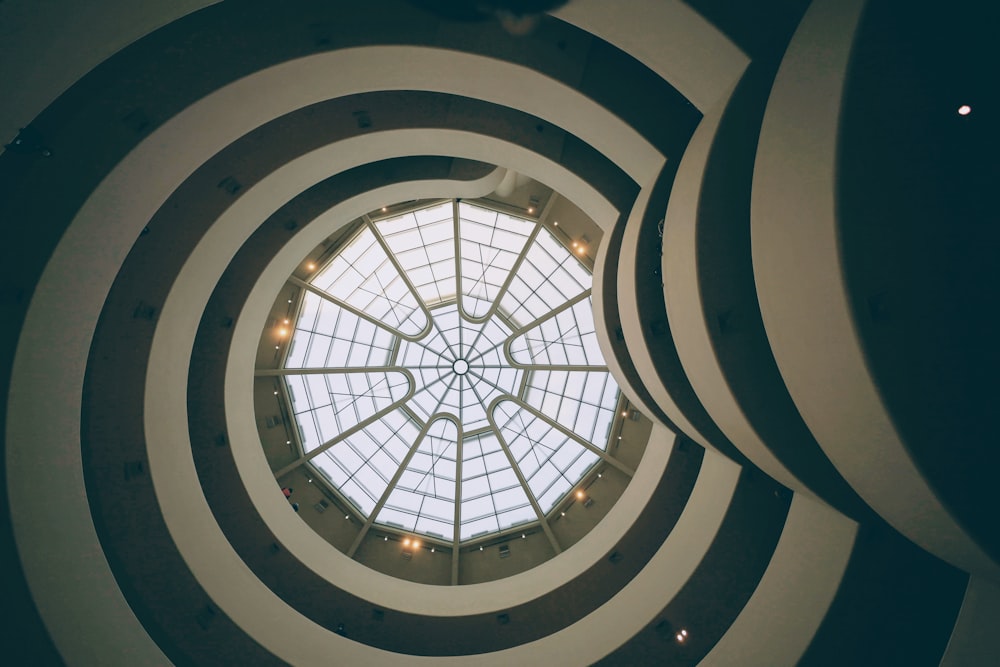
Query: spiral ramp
{"points": [[792, 287]]}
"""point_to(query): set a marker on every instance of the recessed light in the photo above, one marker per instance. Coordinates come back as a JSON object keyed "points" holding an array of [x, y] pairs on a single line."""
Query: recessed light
{"points": [[964, 110]]}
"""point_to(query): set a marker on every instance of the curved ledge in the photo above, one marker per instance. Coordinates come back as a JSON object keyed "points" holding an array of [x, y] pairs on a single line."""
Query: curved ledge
{"points": [[670, 38], [608, 329], [974, 640], [711, 301], [646, 322], [794, 594], [799, 278]]}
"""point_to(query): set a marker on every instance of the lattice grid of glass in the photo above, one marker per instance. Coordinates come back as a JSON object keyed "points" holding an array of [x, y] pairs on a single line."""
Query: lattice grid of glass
{"points": [[444, 372]]}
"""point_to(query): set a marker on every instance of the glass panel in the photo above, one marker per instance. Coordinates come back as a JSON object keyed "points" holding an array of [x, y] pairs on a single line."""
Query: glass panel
{"points": [[544, 454], [426, 489], [363, 276], [327, 336], [335, 402], [424, 245], [549, 277], [370, 457], [567, 338], [490, 245], [583, 401]]}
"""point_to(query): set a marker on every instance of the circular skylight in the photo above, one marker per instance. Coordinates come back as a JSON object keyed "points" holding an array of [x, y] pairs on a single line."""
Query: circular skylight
{"points": [[445, 374]]}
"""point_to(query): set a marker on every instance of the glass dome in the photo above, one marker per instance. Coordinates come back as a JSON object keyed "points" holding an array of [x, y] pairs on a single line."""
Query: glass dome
{"points": [[445, 375]]}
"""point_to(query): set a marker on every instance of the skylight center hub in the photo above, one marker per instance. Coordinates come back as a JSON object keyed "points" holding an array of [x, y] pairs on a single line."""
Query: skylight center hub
{"points": [[461, 367]]}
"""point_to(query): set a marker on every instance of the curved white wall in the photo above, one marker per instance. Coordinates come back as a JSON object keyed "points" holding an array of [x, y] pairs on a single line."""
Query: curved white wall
{"points": [[682, 295], [632, 326], [668, 37], [795, 593], [803, 300], [975, 640]]}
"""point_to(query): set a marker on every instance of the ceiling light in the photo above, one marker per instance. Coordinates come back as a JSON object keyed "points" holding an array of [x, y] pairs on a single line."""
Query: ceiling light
{"points": [[523, 536], [406, 542], [964, 110], [531, 209], [416, 544], [582, 250], [286, 321], [275, 393], [310, 266], [480, 548], [384, 209], [432, 549], [282, 332], [579, 494]]}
